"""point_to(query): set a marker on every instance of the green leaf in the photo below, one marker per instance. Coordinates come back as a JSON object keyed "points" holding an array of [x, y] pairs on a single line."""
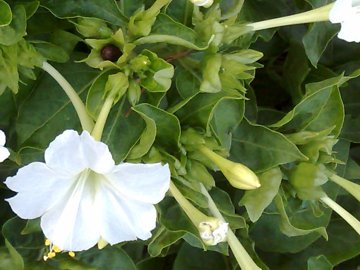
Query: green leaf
{"points": [[288, 228], [261, 148], [167, 126], [163, 239], [5, 13], [317, 38], [189, 258], [351, 129], [166, 30], [51, 51], [256, 201], [319, 263], [109, 258], [12, 33], [103, 9], [320, 109], [147, 137], [17, 260]]}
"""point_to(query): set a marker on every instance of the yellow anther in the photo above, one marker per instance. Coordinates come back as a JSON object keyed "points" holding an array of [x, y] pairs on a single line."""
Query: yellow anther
{"points": [[56, 249], [51, 255], [45, 258], [71, 254], [47, 242]]}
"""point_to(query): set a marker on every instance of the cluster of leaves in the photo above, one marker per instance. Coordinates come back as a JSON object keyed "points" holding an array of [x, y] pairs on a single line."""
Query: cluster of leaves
{"points": [[188, 78]]}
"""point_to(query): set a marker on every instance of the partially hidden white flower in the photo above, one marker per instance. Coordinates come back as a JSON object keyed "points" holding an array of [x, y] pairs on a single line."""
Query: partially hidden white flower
{"points": [[202, 3], [82, 197], [347, 12], [213, 231], [4, 153]]}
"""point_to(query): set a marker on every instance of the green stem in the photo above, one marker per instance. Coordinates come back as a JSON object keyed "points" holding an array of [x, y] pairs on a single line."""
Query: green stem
{"points": [[315, 15], [352, 188], [85, 120], [191, 211], [155, 8], [101, 120], [243, 258]]}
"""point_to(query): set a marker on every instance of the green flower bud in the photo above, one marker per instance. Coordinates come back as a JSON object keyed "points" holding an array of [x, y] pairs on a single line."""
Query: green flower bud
{"points": [[238, 175], [134, 92], [140, 62], [308, 175], [211, 81]]}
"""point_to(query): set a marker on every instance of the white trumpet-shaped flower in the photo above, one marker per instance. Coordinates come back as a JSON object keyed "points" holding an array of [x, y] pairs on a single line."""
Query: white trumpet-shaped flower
{"points": [[4, 153], [82, 197], [347, 12]]}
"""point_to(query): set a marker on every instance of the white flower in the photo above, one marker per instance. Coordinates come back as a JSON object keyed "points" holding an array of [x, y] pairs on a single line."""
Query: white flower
{"points": [[347, 12], [82, 197], [213, 231], [4, 153], [202, 3]]}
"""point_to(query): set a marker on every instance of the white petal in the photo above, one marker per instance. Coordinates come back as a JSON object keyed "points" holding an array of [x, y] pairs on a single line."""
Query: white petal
{"points": [[142, 182], [2, 138], [72, 153], [340, 11], [38, 187], [122, 219], [72, 223], [350, 30], [4, 153]]}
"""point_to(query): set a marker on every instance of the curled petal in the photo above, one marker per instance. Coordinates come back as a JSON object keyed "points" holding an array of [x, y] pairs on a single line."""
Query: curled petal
{"points": [[141, 182], [36, 184], [2, 138]]}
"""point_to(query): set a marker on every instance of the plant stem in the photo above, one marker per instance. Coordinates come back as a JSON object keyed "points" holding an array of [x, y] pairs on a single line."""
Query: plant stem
{"points": [[85, 120], [193, 213], [315, 15], [243, 258], [351, 187], [103, 115]]}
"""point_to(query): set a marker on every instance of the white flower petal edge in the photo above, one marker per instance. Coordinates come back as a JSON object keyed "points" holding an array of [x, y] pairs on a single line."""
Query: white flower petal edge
{"points": [[347, 12], [88, 198], [4, 153]]}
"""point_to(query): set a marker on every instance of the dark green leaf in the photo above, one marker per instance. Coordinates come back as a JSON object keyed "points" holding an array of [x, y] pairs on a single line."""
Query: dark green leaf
{"points": [[5, 13]]}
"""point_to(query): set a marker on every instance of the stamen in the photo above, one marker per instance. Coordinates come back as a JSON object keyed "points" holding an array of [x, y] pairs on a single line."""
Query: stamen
{"points": [[47, 242], [71, 254], [56, 249]]}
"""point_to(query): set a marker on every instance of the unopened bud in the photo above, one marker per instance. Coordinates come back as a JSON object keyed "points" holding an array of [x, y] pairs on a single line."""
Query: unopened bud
{"points": [[213, 231]]}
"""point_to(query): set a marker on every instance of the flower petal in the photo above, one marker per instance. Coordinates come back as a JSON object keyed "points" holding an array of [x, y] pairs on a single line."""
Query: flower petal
{"points": [[4, 153], [72, 153], [142, 182], [71, 224], [340, 11], [2, 138], [35, 184], [121, 219], [349, 30]]}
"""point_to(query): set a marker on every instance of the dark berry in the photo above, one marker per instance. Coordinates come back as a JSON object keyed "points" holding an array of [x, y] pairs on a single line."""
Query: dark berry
{"points": [[110, 52]]}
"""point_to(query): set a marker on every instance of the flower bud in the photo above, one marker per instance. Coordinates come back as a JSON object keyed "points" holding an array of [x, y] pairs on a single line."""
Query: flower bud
{"points": [[92, 27], [213, 231], [238, 175]]}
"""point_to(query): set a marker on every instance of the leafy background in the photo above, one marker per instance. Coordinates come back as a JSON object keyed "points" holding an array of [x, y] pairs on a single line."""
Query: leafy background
{"points": [[306, 80]]}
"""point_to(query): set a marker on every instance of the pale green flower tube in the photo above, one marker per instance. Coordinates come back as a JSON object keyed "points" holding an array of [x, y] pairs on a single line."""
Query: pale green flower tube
{"points": [[349, 218]]}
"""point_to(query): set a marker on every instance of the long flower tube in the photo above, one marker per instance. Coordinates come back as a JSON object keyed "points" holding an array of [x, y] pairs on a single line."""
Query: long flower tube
{"points": [[349, 218], [86, 122], [212, 230], [345, 12], [240, 253]]}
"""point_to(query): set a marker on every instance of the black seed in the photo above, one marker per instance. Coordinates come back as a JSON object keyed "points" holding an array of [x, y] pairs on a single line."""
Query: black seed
{"points": [[110, 52]]}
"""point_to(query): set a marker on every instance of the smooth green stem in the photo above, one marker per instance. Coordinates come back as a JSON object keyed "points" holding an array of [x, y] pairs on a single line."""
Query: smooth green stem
{"points": [[349, 218], [242, 257], [191, 211], [101, 120], [352, 188], [315, 15], [85, 120]]}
